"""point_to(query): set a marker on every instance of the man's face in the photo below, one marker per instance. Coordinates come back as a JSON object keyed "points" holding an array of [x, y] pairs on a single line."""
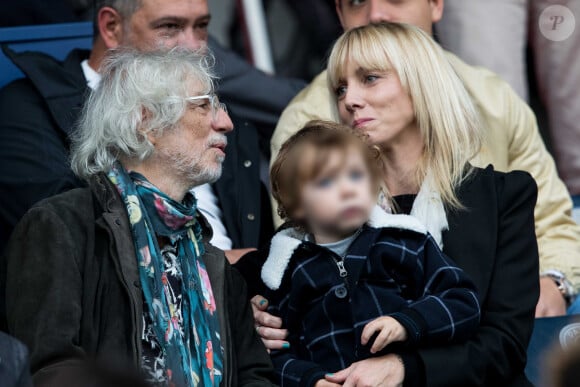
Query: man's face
{"points": [[167, 23], [195, 149], [420, 13]]}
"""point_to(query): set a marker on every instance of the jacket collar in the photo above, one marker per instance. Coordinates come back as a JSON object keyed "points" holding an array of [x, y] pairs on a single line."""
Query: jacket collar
{"points": [[285, 243], [61, 84]]}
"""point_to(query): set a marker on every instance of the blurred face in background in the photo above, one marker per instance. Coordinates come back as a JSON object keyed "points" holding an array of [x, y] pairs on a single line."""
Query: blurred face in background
{"points": [[167, 23], [420, 13], [340, 199]]}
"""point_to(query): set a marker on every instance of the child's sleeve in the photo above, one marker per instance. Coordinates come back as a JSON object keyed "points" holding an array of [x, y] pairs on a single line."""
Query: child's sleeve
{"points": [[448, 309], [290, 368]]}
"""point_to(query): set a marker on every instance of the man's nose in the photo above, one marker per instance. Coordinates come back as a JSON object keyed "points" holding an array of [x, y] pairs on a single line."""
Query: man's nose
{"points": [[223, 122], [191, 40], [378, 12]]}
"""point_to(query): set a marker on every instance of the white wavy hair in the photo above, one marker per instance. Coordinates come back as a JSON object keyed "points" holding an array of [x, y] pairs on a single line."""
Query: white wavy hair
{"points": [[139, 93]]}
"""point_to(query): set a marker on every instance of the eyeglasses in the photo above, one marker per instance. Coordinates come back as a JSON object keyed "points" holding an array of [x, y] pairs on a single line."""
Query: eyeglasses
{"points": [[214, 103]]}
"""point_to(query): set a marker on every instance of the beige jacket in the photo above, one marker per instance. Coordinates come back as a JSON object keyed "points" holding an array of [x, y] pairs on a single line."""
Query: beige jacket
{"points": [[512, 142]]}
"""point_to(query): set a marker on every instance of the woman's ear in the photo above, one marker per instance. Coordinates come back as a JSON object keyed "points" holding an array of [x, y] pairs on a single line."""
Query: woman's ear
{"points": [[110, 25], [436, 10]]}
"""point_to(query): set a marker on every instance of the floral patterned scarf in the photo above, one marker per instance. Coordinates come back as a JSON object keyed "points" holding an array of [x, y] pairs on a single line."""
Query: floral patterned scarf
{"points": [[192, 357]]}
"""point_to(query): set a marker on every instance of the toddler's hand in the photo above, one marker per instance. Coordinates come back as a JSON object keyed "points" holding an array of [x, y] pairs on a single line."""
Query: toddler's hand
{"points": [[390, 330]]}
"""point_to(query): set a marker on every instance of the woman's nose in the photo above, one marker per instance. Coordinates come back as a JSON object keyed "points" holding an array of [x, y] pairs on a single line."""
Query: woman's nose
{"points": [[353, 99]]}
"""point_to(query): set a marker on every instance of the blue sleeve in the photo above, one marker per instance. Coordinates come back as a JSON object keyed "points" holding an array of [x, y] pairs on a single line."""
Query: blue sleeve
{"points": [[448, 310], [291, 370]]}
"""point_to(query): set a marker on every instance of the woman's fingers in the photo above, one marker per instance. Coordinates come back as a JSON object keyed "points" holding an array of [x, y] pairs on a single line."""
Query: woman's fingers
{"points": [[271, 333], [262, 318], [274, 345]]}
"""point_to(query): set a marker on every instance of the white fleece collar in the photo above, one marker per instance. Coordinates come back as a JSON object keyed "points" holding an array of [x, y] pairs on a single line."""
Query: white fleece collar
{"points": [[287, 241]]}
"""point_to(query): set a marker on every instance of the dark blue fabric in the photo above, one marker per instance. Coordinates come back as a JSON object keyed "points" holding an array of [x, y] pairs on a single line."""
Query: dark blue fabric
{"points": [[392, 272]]}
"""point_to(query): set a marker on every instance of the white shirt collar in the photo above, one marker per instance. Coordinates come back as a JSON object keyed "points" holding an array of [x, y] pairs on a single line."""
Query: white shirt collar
{"points": [[93, 78]]}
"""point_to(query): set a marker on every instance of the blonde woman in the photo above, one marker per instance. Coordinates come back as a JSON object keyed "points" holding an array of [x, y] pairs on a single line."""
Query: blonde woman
{"points": [[393, 83]]}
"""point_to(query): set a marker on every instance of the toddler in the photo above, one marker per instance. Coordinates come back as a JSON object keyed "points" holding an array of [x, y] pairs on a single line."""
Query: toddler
{"points": [[349, 280]]}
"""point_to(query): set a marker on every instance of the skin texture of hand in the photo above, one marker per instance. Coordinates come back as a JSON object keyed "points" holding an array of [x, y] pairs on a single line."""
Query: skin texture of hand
{"points": [[326, 383], [390, 330], [268, 327], [551, 302], [384, 371], [234, 255]]}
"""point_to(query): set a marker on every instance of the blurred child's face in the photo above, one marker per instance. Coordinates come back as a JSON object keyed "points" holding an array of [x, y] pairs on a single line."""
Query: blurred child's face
{"points": [[340, 199]]}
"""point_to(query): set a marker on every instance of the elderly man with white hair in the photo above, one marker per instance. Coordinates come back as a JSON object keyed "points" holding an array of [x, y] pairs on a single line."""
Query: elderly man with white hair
{"points": [[123, 269]]}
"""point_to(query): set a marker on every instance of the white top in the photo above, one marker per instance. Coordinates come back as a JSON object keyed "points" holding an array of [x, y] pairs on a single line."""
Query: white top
{"points": [[207, 201], [93, 78]]}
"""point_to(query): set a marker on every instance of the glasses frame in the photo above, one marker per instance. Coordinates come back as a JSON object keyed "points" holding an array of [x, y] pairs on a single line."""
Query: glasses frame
{"points": [[215, 104]]}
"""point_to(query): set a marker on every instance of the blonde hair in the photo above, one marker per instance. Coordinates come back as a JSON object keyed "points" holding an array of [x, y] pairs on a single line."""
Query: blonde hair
{"points": [[304, 156], [446, 117]]}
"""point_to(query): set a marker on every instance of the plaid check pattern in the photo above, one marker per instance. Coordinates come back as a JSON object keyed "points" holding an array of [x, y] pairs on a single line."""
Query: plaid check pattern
{"points": [[391, 272]]}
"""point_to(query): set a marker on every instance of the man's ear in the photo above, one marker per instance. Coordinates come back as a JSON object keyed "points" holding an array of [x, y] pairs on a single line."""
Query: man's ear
{"points": [[110, 24], [338, 7], [436, 10], [150, 135]]}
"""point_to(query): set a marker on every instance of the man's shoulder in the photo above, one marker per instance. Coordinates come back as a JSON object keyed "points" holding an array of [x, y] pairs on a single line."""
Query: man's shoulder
{"points": [[315, 94], [77, 202], [313, 102], [488, 90], [49, 76]]}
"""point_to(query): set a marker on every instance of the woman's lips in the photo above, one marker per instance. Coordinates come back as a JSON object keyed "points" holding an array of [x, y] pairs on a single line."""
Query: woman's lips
{"points": [[360, 122]]}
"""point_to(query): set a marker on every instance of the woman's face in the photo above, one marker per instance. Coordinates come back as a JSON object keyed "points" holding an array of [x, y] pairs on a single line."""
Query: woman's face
{"points": [[376, 103]]}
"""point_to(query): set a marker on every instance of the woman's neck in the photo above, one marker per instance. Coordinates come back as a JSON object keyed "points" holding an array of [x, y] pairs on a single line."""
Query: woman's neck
{"points": [[400, 168]]}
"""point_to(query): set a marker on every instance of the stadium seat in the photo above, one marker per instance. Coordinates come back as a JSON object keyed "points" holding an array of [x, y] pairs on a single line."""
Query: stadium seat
{"points": [[54, 39], [549, 333]]}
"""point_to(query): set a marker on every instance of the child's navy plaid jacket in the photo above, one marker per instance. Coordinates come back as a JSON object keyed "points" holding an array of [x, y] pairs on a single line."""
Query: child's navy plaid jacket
{"points": [[394, 268]]}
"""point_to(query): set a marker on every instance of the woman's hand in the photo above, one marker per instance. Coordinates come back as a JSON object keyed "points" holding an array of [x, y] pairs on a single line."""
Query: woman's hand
{"points": [[268, 327], [325, 383], [384, 371]]}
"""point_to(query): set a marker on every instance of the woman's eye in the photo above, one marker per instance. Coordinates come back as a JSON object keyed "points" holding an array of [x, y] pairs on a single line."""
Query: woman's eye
{"points": [[340, 91], [370, 78]]}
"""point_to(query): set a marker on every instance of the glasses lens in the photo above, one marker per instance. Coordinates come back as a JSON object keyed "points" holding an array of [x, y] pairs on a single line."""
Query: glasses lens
{"points": [[216, 107]]}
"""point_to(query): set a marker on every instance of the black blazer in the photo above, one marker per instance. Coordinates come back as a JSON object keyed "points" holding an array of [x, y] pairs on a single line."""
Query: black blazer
{"points": [[494, 241]]}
